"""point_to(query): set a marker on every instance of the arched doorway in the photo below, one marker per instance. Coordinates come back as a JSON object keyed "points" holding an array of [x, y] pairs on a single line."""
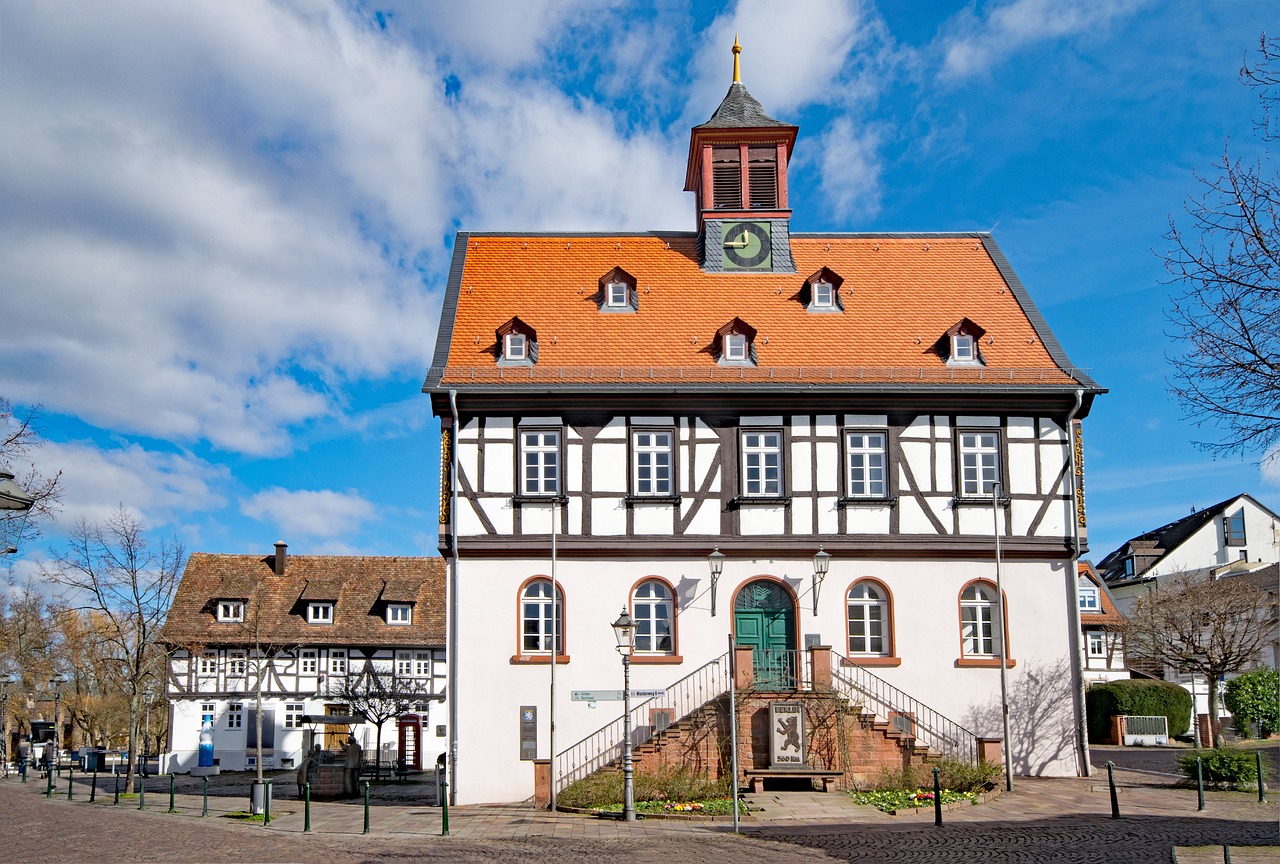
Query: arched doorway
{"points": [[764, 618]]}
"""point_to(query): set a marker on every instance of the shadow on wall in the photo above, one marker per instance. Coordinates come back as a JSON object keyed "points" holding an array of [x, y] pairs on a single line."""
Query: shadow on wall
{"points": [[1040, 716]]}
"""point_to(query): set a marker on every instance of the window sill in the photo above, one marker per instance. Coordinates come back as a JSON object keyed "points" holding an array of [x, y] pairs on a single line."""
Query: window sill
{"points": [[539, 499], [653, 499], [874, 661], [984, 663], [538, 659], [760, 500], [891, 501], [655, 659], [979, 501]]}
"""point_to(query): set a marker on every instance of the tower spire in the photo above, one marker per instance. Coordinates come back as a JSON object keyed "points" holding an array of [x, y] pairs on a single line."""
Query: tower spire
{"points": [[737, 49]]}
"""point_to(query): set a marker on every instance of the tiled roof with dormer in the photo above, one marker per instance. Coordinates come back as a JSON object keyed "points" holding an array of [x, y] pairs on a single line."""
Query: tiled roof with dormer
{"points": [[899, 294], [275, 606], [1107, 615]]}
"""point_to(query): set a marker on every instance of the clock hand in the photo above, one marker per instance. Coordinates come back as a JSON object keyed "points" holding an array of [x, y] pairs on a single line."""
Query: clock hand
{"points": [[737, 244]]}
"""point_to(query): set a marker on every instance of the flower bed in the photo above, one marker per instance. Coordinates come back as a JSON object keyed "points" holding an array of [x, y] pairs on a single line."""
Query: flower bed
{"points": [[705, 807], [891, 800]]}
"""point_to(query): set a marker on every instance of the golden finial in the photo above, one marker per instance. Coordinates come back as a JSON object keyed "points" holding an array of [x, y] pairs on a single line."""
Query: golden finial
{"points": [[737, 49]]}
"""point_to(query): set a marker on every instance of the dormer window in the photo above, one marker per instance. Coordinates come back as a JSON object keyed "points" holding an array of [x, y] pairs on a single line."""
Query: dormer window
{"points": [[517, 344], [319, 613], [399, 614], [735, 344], [821, 292], [959, 345], [618, 292], [230, 612]]}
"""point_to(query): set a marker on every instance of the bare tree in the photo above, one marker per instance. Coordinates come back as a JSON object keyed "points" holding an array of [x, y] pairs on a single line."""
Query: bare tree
{"points": [[112, 570], [1227, 259], [19, 439], [1203, 626], [379, 694]]}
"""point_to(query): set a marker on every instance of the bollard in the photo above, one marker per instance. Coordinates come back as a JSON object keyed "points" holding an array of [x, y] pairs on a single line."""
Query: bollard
{"points": [[117, 801], [1226, 854], [171, 809], [1199, 784], [444, 803], [93, 789], [306, 808], [142, 793], [937, 799], [204, 804], [1111, 781], [1262, 784], [266, 803], [70, 781], [366, 807]]}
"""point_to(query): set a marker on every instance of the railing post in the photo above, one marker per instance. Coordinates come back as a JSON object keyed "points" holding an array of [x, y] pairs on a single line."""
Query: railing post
{"points": [[306, 808], [1111, 782], [820, 667], [366, 807]]}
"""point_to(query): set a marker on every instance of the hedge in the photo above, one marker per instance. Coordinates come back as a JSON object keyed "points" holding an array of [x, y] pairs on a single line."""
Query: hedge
{"points": [[1254, 697], [1132, 696]]}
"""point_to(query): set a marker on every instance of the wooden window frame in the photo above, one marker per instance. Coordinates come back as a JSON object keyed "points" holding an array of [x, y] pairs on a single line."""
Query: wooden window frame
{"points": [[658, 657], [744, 495], [313, 609], [847, 453], [979, 497], [633, 453], [890, 656], [522, 657], [522, 492]]}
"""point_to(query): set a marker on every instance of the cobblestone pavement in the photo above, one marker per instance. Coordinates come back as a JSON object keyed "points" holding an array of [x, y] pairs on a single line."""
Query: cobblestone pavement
{"points": [[1042, 820], [1164, 760]]}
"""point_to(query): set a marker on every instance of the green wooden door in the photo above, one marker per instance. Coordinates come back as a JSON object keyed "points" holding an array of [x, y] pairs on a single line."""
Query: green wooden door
{"points": [[764, 618]]}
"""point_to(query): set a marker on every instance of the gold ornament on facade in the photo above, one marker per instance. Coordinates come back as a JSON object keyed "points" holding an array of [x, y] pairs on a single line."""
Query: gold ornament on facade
{"points": [[446, 460]]}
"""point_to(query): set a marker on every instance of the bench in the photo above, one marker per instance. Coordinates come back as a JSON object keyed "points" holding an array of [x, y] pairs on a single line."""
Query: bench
{"points": [[755, 777]]}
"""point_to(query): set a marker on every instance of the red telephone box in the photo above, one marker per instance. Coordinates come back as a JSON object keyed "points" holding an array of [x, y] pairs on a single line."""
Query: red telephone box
{"points": [[410, 755]]}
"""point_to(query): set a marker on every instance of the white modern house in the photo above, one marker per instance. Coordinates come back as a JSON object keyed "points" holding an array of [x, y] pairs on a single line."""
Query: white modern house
{"points": [[808, 441], [314, 630]]}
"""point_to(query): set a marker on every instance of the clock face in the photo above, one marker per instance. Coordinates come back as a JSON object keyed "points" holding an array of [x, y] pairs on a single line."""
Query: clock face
{"points": [[747, 246]]}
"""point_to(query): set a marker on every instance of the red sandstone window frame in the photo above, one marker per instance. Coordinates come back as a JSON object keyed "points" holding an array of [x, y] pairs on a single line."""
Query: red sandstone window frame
{"points": [[889, 657], [983, 661], [558, 601], [658, 657]]}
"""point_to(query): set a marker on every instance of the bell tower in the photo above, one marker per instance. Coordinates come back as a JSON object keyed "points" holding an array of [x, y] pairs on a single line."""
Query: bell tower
{"points": [[738, 172]]}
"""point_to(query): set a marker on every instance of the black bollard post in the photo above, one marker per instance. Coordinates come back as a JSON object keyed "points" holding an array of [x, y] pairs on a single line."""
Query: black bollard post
{"points": [[444, 802], [93, 789], [266, 803], [204, 804], [1111, 781], [70, 780], [117, 801], [937, 799], [142, 793], [366, 807], [171, 809], [1226, 854], [1199, 784], [306, 808], [1262, 784]]}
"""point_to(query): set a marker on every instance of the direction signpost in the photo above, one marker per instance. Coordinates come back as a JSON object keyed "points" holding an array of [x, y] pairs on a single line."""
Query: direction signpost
{"points": [[613, 695]]}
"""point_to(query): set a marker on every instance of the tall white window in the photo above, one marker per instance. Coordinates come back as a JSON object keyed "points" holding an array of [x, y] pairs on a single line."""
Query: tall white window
{"points": [[236, 664], [735, 346], [422, 664], [979, 462], [651, 456], [617, 294], [1088, 598], [962, 349], [209, 663], [823, 295], [338, 662], [540, 462], [654, 616], [293, 712], [309, 663], [866, 454], [868, 614], [762, 464], [978, 636], [1233, 528], [319, 613], [515, 346], [1097, 643], [535, 619], [235, 715]]}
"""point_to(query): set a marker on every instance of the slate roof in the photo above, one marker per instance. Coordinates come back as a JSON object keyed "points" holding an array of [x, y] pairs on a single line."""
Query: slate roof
{"points": [[359, 586], [739, 109], [900, 293], [1107, 615]]}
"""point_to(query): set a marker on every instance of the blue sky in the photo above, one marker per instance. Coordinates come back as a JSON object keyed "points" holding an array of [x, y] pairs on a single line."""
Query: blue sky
{"points": [[225, 226]]}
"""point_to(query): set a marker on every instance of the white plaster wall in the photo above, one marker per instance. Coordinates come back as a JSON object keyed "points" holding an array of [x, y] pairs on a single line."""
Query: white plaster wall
{"points": [[829, 472], [802, 468], [608, 467], [1022, 468], [608, 516], [1052, 459], [704, 457], [912, 518], [499, 467], [801, 515], [1205, 548], [1021, 428], [916, 454], [867, 519], [828, 515], [870, 421], [706, 520], [757, 519], [653, 518]]}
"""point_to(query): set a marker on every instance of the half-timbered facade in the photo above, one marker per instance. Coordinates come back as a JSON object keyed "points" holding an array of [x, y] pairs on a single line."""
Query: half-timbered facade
{"points": [[616, 409], [1101, 625], [318, 632]]}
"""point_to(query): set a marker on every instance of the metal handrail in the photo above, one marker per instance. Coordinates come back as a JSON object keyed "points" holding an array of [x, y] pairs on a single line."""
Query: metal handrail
{"points": [[605, 745], [908, 714]]}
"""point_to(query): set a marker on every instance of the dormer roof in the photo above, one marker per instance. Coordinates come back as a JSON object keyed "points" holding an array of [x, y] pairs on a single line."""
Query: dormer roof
{"points": [[740, 110]]}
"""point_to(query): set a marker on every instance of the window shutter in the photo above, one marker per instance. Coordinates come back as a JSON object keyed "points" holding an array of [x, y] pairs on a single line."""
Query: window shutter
{"points": [[762, 173], [726, 178]]}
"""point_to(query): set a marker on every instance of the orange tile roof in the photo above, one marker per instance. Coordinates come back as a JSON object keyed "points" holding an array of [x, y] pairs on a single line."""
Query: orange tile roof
{"points": [[1107, 615], [900, 294]]}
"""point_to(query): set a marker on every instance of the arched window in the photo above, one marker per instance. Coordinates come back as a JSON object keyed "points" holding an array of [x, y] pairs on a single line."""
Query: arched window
{"points": [[535, 618], [978, 634], [869, 632], [654, 612]]}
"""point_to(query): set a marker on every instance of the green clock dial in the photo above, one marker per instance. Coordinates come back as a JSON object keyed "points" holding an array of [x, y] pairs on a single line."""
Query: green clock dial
{"points": [[747, 246]]}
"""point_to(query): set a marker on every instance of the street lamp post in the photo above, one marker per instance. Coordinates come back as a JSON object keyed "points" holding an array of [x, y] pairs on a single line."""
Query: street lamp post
{"points": [[624, 630], [821, 561], [147, 696], [9, 680], [715, 561], [56, 682]]}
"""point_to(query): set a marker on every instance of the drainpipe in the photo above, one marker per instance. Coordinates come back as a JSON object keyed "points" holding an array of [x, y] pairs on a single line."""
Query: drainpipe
{"points": [[1073, 593], [453, 606]]}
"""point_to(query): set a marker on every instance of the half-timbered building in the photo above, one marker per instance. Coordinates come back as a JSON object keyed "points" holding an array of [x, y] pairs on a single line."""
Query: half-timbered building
{"points": [[800, 439], [318, 632]]}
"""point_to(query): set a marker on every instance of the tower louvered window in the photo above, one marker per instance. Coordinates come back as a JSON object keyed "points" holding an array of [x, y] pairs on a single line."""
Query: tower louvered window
{"points": [[762, 175], [726, 176]]}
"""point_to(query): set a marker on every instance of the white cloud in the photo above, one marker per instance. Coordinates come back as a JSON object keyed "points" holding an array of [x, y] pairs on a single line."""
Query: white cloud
{"points": [[310, 513], [161, 488], [972, 44], [1270, 467], [851, 169]]}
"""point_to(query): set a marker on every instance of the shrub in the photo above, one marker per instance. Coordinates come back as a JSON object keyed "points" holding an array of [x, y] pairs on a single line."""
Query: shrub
{"points": [[662, 784], [960, 776], [1254, 697], [1222, 766], [1136, 697]]}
